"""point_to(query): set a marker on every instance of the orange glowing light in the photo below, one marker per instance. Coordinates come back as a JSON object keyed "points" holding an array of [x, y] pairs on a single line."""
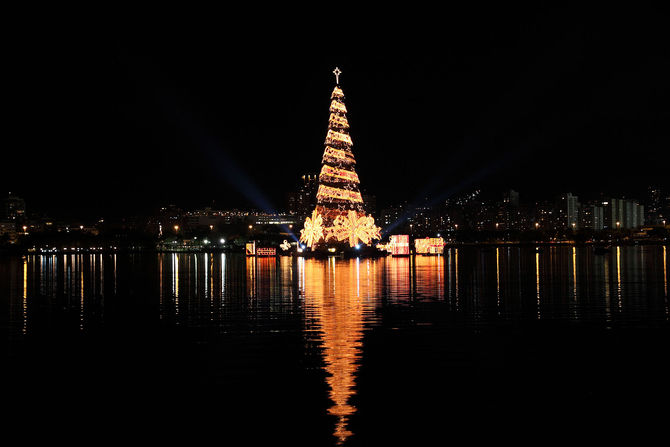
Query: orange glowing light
{"points": [[339, 201], [399, 244], [429, 245], [328, 192], [334, 174], [338, 303]]}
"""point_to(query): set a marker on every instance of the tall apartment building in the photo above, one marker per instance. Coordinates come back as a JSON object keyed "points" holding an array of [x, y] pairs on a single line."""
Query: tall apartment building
{"points": [[567, 211], [592, 217], [13, 208], [623, 214], [303, 201]]}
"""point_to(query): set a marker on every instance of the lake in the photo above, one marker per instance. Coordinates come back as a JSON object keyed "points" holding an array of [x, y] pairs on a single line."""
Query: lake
{"points": [[482, 342]]}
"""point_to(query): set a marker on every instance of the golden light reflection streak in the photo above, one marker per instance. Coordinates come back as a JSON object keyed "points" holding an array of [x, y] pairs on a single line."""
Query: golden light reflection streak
{"points": [[102, 278], [537, 282], [440, 277], [211, 288], [428, 276], [574, 273], [92, 270], [608, 312], [251, 276], [223, 277], [301, 272], [114, 273], [25, 294], [40, 263], [498, 279], [206, 275], [618, 276], [175, 283], [665, 280], [412, 278], [338, 320], [358, 277], [81, 292], [449, 273], [54, 277], [71, 271], [160, 286], [333, 281], [456, 276], [188, 274], [65, 273]]}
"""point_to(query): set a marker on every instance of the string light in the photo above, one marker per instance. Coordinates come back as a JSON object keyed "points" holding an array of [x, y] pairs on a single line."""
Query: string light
{"points": [[339, 121], [339, 215], [338, 155], [313, 229], [328, 192], [354, 228], [336, 106], [328, 173], [335, 137]]}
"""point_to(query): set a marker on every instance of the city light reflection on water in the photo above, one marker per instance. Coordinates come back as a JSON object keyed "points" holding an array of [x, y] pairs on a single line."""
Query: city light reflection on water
{"points": [[334, 303]]}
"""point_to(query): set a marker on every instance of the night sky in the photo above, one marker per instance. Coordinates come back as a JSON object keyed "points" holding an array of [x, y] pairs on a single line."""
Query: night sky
{"points": [[121, 117]]}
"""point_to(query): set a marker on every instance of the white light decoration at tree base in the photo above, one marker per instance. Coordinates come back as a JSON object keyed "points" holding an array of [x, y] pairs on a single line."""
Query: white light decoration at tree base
{"points": [[355, 228], [313, 230], [339, 215]]}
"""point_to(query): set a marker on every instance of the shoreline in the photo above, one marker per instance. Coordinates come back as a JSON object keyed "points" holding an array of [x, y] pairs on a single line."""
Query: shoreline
{"points": [[11, 251]]}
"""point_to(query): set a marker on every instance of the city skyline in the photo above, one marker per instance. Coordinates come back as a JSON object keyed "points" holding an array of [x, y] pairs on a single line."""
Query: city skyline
{"points": [[474, 210], [141, 119]]}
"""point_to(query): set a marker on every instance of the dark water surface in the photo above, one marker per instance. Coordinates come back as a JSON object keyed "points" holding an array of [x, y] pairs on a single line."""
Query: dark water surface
{"points": [[488, 343]]}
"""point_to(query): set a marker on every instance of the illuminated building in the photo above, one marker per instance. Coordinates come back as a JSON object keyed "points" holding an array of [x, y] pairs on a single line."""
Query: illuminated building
{"points": [[250, 249], [370, 203], [429, 246], [266, 251], [392, 214], [399, 245], [8, 228], [592, 217], [274, 219], [14, 207], [339, 216], [567, 209], [654, 206], [508, 213], [511, 197], [422, 219], [471, 211], [628, 213], [598, 218], [303, 201], [543, 216], [202, 220]]}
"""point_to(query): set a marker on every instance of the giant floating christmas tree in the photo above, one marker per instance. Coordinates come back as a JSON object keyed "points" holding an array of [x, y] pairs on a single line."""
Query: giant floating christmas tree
{"points": [[339, 216]]}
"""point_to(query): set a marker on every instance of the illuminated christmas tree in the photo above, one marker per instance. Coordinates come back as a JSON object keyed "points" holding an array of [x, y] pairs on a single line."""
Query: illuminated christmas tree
{"points": [[339, 215]]}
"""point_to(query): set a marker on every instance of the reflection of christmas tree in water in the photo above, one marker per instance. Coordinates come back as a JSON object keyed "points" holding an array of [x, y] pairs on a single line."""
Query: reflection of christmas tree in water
{"points": [[342, 326], [338, 301], [339, 215]]}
